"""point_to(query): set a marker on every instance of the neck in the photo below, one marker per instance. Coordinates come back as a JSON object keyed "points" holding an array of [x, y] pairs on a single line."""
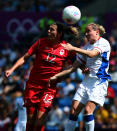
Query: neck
{"points": [[98, 37], [93, 41], [54, 41]]}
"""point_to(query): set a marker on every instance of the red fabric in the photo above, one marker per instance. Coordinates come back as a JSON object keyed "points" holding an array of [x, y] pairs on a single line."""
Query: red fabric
{"points": [[31, 109], [43, 128], [112, 54], [41, 96], [110, 92], [15, 121], [49, 60], [29, 127], [38, 128]]}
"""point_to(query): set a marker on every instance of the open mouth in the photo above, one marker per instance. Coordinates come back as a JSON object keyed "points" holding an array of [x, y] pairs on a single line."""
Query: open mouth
{"points": [[50, 36]]}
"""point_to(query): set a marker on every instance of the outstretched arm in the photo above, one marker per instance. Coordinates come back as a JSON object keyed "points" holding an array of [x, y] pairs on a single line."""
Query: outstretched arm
{"points": [[65, 72], [89, 53], [19, 63]]}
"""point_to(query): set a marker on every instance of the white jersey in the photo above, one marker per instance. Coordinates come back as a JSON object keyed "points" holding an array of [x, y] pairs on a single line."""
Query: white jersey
{"points": [[98, 65]]}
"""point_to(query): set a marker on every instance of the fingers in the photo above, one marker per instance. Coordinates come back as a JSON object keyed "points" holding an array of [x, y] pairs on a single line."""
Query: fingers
{"points": [[86, 70], [63, 45], [51, 80], [7, 73], [49, 83], [68, 46]]}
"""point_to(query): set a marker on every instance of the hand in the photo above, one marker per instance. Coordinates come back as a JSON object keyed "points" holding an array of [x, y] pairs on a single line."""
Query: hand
{"points": [[86, 70], [8, 72], [68, 46], [52, 79]]}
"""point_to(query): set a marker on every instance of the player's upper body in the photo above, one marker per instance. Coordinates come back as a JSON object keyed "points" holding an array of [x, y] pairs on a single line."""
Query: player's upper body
{"points": [[98, 65], [49, 59], [94, 56], [50, 55]]}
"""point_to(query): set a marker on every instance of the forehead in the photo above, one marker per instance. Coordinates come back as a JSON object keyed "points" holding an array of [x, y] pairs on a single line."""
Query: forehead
{"points": [[89, 27], [53, 26]]}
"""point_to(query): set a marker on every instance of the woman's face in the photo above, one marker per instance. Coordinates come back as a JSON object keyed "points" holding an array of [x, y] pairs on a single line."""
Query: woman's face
{"points": [[91, 34], [52, 32]]}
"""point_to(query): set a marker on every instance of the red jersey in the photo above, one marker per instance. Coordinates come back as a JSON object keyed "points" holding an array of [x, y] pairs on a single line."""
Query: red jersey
{"points": [[49, 60]]}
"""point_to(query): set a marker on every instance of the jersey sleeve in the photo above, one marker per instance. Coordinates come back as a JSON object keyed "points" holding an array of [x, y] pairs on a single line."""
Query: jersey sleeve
{"points": [[32, 50], [102, 46]]}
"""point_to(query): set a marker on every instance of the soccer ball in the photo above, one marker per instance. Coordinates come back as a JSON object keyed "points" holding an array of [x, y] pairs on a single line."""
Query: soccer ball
{"points": [[71, 14]]}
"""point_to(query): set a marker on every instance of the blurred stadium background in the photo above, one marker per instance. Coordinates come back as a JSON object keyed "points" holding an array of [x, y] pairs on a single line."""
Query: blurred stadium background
{"points": [[23, 21]]}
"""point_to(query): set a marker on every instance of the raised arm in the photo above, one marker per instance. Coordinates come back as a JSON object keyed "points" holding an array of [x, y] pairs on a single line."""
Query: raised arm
{"points": [[89, 53], [65, 72], [19, 63]]}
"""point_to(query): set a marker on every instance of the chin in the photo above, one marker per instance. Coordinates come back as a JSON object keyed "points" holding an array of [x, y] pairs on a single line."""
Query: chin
{"points": [[50, 38]]}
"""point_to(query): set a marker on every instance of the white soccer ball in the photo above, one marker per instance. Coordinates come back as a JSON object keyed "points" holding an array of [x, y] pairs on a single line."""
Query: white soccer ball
{"points": [[71, 14]]}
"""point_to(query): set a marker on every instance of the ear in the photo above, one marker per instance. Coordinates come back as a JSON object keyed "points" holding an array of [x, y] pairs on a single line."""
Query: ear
{"points": [[97, 32]]}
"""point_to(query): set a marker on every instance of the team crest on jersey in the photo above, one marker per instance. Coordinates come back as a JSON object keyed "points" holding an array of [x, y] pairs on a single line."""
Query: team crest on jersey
{"points": [[62, 51]]}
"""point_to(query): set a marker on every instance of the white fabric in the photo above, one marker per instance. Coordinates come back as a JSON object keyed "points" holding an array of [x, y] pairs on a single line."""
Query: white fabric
{"points": [[91, 89], [103, 46], [68, 88], [21, 126], [89, 125]]}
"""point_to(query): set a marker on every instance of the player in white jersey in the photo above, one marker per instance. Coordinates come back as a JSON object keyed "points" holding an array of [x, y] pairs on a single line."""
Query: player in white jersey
{"points": [[22, 117], [93, 89]]}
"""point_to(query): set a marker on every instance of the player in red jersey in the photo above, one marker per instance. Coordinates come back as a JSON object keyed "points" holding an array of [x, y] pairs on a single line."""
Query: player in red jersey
{"points": [[50, 59]]}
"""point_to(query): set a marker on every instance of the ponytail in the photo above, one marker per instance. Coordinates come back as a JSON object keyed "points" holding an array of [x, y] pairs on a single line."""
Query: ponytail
{"points": [[74, 31], [101, 29], [98, 27]]}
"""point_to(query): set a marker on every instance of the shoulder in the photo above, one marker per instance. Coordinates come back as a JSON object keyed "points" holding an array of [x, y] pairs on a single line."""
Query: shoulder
{"points": [[104, 44], [104, 41], [64, 42], [43, 39]]}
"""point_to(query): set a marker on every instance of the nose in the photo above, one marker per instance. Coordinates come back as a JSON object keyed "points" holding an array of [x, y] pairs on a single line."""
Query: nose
{"points": [[48, 30]]}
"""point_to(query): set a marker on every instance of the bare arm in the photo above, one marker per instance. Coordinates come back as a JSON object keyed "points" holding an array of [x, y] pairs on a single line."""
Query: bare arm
{"points": [[19, 63], [65, 72], [89, 53]]}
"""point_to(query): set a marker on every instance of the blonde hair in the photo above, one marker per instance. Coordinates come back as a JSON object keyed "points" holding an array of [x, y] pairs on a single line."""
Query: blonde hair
{"points": [[71, 34], [74, 31], [98, 27]]}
